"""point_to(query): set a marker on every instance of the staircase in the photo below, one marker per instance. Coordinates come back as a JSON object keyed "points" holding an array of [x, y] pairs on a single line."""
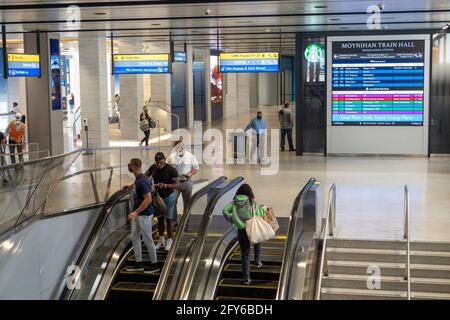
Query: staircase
{"points": [[351, 264]]}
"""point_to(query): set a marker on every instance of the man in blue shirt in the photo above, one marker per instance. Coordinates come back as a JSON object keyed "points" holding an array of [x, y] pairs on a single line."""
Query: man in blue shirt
{"points": [[141, 218], [259, 126]]}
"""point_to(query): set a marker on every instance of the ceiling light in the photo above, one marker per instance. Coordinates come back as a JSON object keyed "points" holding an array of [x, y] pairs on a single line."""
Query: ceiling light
{"points": [[335, 19], [156, 24], [268, 30], [320, 7], [100, 13]]}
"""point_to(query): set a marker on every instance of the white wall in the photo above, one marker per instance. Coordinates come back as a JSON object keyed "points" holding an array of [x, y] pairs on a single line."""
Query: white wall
{"points": [[267, 89]]}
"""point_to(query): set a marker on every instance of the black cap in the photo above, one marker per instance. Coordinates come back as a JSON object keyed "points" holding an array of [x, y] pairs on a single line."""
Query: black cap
{"points": [[160, 156]]}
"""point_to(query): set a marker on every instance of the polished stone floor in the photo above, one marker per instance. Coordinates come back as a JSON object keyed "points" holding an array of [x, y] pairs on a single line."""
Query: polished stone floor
{"points": [[370, 196]]}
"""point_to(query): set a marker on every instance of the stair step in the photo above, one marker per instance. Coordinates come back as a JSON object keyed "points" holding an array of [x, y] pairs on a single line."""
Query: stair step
{"points": [[133, 276], [362, 268], [365, 244], [430, 246], [361, 294], [362, 282]]}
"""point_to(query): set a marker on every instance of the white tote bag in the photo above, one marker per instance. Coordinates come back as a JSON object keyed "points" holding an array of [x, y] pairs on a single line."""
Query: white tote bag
{"points": [[258, 230]]}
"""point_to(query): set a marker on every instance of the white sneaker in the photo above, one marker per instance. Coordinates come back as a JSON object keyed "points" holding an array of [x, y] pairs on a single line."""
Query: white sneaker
{"points": [[161, 243], [168, 244]]}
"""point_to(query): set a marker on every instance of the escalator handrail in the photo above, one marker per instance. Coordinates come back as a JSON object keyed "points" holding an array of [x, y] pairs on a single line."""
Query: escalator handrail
{"points": [[286, 267], [91, 241], [181, 228], [187, 279]]}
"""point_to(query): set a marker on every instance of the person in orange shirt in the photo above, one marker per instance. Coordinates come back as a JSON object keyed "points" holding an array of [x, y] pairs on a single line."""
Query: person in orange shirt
{"points": [[16, 133]]}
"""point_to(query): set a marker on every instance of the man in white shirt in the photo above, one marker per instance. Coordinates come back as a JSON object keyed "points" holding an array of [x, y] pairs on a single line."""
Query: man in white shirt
{"points": [[187, 166]]}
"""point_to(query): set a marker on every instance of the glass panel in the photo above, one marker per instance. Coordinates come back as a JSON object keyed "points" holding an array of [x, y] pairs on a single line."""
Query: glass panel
{"points": [[440, 96]]}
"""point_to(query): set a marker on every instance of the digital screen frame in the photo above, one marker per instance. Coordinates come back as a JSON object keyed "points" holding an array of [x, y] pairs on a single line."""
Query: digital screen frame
{"points": [[378, 82], [142, 63], [249, 62], [23, 65]]}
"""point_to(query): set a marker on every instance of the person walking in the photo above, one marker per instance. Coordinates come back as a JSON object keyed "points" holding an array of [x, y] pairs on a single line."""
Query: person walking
{"points": [[16, 133], [2, 148], [145, 116], [141, 219], [286, 124], [165, 178], [187, 166], [259, 127], [238, 212]]}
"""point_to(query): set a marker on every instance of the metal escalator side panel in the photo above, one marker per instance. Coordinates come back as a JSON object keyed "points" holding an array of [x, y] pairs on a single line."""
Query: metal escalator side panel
{"points": [[191, 271], [95, 238], [304, 225], [175, 262]]}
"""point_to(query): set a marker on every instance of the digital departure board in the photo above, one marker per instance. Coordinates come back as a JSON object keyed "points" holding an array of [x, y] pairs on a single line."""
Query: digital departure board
{"points": [[141, 63], [249, 62], [378, 83], [23, 65]]}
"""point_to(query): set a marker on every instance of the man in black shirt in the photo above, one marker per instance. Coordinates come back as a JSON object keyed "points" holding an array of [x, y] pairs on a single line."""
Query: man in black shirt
{"points": [[141, 218], [165, 178]]}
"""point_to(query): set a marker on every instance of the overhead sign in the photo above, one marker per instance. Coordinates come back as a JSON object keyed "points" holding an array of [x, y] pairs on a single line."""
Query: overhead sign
{"points": [[249, 62], [179, 56], [23, 65], [141, 63]]}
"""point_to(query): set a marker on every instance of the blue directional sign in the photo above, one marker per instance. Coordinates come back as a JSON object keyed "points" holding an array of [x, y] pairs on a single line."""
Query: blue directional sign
{"points": [[23, 65], [141, 63], [179, 56], [249, 62]]}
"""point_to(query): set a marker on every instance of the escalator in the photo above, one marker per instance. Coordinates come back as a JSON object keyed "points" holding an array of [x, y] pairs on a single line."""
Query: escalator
{"points": [[264, 280], [131, 285]]}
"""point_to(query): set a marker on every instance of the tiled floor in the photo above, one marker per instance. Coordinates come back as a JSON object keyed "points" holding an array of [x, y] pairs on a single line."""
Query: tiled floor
{"points": [[369, 189]]}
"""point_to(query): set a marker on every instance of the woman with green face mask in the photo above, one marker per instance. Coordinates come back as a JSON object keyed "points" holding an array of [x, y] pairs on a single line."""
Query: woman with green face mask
{"points": [[238, 212]]}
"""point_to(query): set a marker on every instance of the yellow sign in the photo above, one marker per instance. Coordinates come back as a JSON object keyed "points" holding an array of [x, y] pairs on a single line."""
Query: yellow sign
{"points": [[141, 57], [20, 57], [250, 55]]}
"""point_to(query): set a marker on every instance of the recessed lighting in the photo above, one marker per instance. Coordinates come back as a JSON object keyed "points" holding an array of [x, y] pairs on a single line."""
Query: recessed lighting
{"points": [[335, 19], [320, 7], [156, 24], [268, 30], [100, 13]]}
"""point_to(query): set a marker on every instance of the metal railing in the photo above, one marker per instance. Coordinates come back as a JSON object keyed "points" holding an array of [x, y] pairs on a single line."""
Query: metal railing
{"points": [[76, 116], [406, 235], [289, 251], [158, 105], [330, 224]]}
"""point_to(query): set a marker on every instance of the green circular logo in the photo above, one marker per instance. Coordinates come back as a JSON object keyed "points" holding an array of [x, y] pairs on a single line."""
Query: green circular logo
{"points": [[313, 53]]}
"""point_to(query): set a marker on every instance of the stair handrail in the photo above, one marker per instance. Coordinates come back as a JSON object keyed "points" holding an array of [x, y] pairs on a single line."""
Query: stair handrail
{"points": [[406, 235], [330, 225], [177, 117]]}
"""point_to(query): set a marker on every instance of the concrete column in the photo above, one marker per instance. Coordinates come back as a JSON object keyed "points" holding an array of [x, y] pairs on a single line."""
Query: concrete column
{"points": [[190, 87], [45, 126], [161, 96], [243, 92], [207, 64], [131, 95], [93, 88], [230, 94]]}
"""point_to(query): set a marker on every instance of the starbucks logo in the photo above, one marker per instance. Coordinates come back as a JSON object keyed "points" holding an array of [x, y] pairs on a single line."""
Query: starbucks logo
{"points": [[313, 53]]}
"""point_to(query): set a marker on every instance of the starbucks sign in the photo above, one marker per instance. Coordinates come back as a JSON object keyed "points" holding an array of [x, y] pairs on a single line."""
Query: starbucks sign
{"points": [[313, 53]]}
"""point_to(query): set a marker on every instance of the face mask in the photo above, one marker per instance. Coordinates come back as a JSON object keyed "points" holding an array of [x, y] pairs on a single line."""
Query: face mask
{"points": [[259, 117], [180, 152], [129, 169]]}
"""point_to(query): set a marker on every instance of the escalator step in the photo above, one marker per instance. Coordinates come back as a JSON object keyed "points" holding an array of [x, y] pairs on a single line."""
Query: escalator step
{"points": [[266, 272], [145, 257], [267, 259], [266, 249], [132, 290], [258, 289], [130, 276], [238, 298]]}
